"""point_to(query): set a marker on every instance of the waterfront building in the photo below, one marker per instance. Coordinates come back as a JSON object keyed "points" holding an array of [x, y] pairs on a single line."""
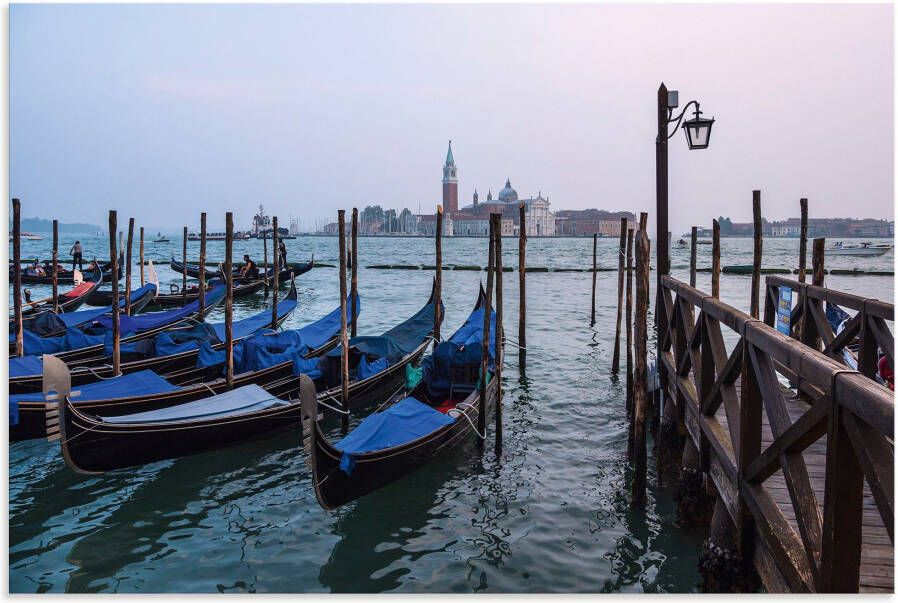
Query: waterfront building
{"points": [[587, 222]]}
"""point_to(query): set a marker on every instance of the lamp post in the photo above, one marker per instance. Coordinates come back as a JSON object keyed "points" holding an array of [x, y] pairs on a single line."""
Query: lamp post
{"points": [[698, 135]]}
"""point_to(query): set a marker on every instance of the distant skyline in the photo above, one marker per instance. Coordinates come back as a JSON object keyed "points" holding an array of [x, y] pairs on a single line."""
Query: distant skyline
{"points": [[165, 111]]}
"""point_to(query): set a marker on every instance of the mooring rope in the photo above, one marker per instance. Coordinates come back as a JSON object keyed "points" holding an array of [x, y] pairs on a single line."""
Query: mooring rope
{"points": [[458, 411]]}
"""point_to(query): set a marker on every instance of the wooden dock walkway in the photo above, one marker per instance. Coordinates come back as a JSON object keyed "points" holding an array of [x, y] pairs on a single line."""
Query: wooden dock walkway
{"points": [[797, 447]]}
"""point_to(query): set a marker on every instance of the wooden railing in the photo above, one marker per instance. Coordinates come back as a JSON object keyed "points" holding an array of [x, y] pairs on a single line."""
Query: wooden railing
{"points": [[809, 324], [769, 451]]}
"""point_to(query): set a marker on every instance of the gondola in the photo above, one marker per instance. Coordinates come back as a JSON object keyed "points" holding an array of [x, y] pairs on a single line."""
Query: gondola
{"points": [[409, 429], [93, 443], [156, 382], [62, 276], [88, 344], [296, 268], [25, 373], [68, 301], [176, 298]]}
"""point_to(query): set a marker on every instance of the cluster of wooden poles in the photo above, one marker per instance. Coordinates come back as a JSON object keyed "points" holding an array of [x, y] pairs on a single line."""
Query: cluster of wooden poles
{"points": [[638, 399]]}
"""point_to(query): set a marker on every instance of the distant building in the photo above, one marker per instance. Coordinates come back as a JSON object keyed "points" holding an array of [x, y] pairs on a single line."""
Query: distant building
{"points": [[538, 217], [587, 222]]}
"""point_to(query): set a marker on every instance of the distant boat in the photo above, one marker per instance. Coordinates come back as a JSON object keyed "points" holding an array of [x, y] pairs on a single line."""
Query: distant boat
{"points": [[703, 242], [682, 244], [28, 236], [160, 238], [867, 249]]}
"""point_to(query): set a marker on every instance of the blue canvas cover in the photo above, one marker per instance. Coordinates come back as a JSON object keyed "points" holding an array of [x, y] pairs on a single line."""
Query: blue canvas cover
{"points": [[153, 320], [177, 341], [252, 324], [44, 323], [401, 423], [243, 400], [395, 343], [367, 369], [464, 347], [324, 329], [25, 366], [124, 386]]}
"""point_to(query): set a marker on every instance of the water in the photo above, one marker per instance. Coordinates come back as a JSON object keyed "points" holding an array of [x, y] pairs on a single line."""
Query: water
{"points": [[552, 514]]}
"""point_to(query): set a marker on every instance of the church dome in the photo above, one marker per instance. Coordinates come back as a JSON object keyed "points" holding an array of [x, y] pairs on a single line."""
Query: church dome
{"points": [[508, 194]]}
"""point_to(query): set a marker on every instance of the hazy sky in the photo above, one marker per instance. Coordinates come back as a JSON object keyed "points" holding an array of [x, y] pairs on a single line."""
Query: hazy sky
{"points": [[164, 111]]}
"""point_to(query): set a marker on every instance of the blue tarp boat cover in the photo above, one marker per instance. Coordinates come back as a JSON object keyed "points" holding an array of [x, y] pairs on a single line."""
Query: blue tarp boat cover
{"points": [[395, 343], [243, 400], [267, 348], [248, 326], [26, 365], [401, 423], [176, 341], [835, 316], [153, 320], [133, 384], [464, 347]]}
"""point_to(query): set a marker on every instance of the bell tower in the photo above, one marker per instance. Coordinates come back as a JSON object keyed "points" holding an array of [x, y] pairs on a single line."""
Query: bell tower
{"points": [[450, 183]]}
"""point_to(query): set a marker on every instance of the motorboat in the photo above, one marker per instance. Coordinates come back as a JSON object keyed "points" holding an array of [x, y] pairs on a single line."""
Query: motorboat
{"points": [[866, 248]]}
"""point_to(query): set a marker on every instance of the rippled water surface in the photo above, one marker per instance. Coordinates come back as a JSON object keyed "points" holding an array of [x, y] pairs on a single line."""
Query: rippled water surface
{"points": [[552, 514]]}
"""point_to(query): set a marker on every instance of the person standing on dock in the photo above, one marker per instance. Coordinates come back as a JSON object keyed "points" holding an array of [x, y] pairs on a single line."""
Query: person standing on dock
{"points": [[77, 254], [282, 249]]}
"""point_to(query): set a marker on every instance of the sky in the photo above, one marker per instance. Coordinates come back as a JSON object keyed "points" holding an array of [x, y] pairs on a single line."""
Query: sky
{"points": [[165, 111]]}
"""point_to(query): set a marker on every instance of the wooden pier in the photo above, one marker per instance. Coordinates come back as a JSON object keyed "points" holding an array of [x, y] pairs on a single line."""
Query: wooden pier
{"points": [[796, 448]]}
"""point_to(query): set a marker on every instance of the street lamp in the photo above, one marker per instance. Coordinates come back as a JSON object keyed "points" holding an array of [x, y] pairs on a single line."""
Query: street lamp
{"points": [[698, 135]]}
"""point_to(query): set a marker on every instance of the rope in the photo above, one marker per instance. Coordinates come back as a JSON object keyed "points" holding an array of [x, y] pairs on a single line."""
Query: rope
{"points": [[342, 412], [456, 412]]}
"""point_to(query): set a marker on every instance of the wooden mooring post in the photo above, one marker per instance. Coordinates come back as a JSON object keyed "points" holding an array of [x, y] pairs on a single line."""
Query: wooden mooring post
{"points": [[500, 331], [758, 253], [621, 253], [201, 298], [229, 296], [629, 322], [116, 327], [128, 262], [522, 282], [438, 276], [640, 374], [693, 253], [715, 259], [265, 259], [56, 265], [17, 274], [484, 360], [275, 278], [184, 260], [803, 240], [344, 338], [354, 274], [595, 244], [142, 279]]}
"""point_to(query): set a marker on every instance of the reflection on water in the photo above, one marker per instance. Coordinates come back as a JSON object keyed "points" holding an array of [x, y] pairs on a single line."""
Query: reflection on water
{"points": [[552, 514]]}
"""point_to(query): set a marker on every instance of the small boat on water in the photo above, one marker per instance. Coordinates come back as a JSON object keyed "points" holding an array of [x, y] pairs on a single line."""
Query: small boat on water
{"points": [[703, 242], [410, 428], [682, 244], [27, 236], [160, 238], [866, 248]]}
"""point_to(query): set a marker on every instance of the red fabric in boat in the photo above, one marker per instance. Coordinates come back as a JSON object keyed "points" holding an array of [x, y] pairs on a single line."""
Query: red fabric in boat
{"points": [[78, 291], [445, 406]]}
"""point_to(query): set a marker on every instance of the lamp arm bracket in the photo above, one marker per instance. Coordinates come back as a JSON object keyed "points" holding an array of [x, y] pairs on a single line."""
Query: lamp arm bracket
{"points": [[679, 118]]}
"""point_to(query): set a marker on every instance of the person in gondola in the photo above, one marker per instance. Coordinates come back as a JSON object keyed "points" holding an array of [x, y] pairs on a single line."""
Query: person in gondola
{"points": [[77, 254], [37, 269], [282, 249], [249, 270]]}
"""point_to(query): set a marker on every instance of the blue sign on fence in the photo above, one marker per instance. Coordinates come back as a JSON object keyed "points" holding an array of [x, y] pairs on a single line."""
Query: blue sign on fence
{"points": [[784, 311]]}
